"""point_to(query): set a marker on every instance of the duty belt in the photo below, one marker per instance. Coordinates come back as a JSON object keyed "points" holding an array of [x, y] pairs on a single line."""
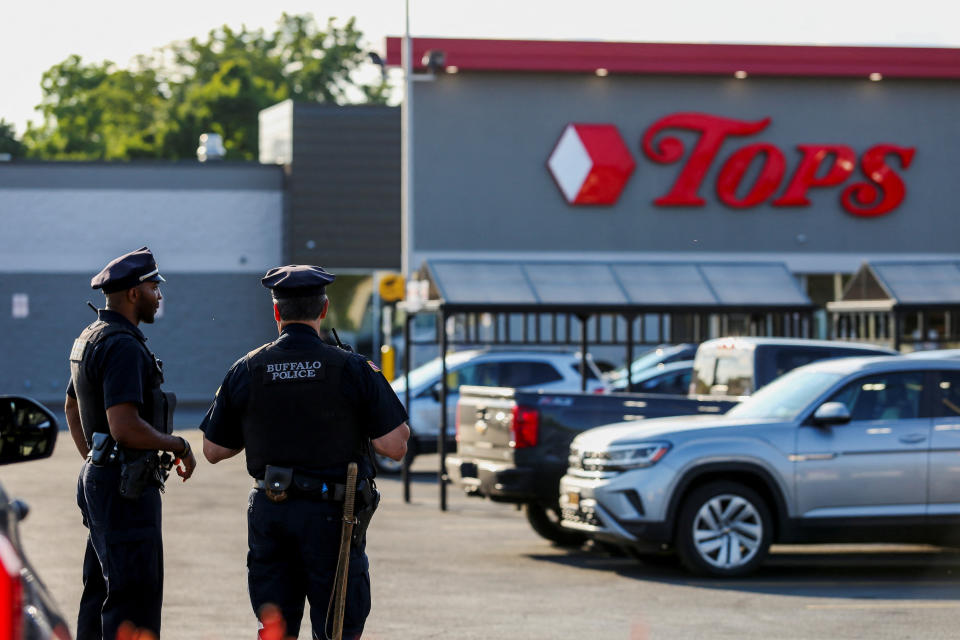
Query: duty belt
{"points": [[279, 484]]}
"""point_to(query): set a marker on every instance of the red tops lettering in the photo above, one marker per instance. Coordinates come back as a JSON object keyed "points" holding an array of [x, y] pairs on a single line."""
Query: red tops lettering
{"points": [[820, 166]]}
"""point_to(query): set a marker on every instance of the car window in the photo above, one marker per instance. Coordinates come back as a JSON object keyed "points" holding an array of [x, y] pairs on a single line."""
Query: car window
{"points": [[947, 394], [703, 368], [734, 374], [481, 374], [789, 359], [682, 381], [590, 374], [519, 373], [886, 396], [667, 383]]}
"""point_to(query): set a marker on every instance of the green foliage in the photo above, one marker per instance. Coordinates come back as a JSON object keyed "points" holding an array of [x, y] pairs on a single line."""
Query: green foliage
{"points": [[8, 140], [159, 108]]}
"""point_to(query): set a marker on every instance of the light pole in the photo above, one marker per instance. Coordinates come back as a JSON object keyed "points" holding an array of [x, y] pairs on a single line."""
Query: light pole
{"points": [[406, 161]]}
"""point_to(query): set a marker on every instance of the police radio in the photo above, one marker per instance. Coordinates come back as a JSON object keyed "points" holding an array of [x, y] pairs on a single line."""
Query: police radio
{"points": [[340, 345]]}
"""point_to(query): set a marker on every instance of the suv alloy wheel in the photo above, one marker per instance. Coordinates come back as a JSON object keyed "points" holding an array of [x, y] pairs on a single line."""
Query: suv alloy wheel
{"points": [[724, 529]]}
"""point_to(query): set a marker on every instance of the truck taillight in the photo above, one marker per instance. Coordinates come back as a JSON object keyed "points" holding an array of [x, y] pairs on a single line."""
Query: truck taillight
{"points": [[525, 427], [11, 592]]}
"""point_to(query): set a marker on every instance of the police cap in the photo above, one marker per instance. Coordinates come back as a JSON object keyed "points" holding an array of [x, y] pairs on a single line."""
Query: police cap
{"points": [[128, 271], [297, 281]]}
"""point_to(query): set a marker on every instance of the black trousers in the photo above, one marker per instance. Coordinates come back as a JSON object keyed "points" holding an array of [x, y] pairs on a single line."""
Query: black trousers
{"points": [[123, 563], [293, 549]]}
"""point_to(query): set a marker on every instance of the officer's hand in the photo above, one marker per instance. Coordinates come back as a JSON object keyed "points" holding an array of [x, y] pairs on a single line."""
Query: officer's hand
{"points": [[186, 465]]}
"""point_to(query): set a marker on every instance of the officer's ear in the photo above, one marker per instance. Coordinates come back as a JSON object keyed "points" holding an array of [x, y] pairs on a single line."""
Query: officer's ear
{"points": [[276, 312], [326, 305]]}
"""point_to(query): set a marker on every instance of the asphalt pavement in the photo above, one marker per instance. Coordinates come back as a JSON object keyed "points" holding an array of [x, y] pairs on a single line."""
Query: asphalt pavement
{"points": [[478, 571]]}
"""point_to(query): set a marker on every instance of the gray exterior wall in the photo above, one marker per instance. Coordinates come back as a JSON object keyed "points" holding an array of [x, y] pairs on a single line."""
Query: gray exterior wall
{"points": [[75, 217], [215, 229], [209, 320], [343, 182], [482, 186]]}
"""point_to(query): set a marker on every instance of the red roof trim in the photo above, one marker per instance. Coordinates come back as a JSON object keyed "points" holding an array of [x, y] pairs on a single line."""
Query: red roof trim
{"points": [[692, 59]]}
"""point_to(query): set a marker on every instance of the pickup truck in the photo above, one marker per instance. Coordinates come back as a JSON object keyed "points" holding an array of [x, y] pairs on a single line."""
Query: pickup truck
{"points": [[512, 445], [845, 450]]}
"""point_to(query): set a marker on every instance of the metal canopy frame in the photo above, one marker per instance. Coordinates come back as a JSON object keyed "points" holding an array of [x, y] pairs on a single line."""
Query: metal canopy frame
{"points": [[884, 298], [547, 322]]}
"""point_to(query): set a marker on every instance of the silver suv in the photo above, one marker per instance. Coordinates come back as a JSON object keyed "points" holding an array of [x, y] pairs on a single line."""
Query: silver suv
{"points": [[853, 449]]}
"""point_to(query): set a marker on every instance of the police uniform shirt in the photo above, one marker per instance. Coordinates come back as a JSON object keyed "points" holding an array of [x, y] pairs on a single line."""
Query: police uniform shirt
{"points": [[377, 406], [120, 365]]}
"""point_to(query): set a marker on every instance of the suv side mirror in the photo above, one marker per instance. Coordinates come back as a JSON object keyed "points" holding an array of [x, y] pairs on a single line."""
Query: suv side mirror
{"points": [[831, 413], [436, 391], [28, 430]]}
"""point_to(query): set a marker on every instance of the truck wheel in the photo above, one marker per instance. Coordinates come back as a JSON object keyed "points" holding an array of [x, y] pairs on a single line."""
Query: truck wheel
{"points": [[389, 466], [724, 530], [546, 522]]}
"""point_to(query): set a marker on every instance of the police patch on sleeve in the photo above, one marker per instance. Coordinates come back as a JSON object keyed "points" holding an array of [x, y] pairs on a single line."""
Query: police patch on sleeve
{"points": [[373, 366], [76, 353], [298, 371]]}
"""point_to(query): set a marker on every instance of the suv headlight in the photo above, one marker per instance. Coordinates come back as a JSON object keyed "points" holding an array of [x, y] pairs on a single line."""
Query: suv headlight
{"points": [[619, 457]]}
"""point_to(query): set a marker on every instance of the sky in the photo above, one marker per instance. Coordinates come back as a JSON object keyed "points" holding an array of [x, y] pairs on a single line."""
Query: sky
{"points": [[36, 34]]}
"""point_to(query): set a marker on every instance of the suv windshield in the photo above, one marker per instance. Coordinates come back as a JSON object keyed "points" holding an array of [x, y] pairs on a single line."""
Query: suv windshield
{"points": [[785, 397]]}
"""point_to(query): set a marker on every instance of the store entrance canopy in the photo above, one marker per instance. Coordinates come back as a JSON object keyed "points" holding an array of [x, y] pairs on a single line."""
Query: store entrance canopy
{"points": [[613, 287], [899, 303]]}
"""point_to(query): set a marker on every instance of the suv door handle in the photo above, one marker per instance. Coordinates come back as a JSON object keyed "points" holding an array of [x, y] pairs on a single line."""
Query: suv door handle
{"points": [[913, 438]]}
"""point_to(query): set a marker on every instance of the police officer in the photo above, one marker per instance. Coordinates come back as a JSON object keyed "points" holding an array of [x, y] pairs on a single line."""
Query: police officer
{"points": [[304, 410], [119, 419]]}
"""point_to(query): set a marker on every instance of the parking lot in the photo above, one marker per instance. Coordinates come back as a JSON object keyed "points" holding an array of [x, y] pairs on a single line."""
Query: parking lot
{"points": [[479, 571]]}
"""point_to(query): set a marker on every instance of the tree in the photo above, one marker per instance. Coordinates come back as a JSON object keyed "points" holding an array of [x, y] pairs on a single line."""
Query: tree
{"points": [[97, 111], [217, 84], [8, 140]]}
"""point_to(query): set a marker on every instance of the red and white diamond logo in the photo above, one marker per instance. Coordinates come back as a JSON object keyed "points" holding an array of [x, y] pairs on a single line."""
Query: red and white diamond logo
{"points": [[591, 164]]}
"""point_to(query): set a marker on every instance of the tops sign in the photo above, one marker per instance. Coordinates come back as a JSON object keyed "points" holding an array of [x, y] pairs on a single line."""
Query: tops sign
{"points": [[591, 164]]}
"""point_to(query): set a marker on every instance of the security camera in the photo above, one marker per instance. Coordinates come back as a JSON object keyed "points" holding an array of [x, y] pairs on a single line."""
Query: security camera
{"points": [[433, 60]]}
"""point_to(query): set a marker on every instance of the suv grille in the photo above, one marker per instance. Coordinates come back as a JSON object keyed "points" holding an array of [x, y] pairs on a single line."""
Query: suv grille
{"points": [[580, 515]]}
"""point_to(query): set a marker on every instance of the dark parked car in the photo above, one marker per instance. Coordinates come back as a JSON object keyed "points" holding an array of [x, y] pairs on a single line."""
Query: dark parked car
{"points": [[670, 379], [28, 431], [659, 356]]}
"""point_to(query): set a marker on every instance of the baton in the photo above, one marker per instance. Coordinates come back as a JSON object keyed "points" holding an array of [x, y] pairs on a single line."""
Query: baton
{"points": [[343, 564]]}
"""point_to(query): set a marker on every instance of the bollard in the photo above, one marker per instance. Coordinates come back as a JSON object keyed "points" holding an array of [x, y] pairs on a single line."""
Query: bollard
{"points": [[388, 365]]}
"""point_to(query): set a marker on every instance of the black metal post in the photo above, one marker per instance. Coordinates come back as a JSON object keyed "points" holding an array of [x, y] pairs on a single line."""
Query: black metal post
{"points": [[629, 353], [405, 464], [583, 352], [442, 436], [896, 330]]}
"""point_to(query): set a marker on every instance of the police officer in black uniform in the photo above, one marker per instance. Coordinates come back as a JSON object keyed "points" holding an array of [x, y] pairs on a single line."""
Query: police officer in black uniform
{"points": [[120, 419], [304, 410]]}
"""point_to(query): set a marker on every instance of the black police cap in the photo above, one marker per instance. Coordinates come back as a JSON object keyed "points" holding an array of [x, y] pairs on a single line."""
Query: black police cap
{"points": [[297, 281], [127, 271]]}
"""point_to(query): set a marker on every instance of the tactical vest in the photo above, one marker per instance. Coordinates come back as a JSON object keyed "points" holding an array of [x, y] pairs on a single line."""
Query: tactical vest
{"points": [[156, 408], [296, 415]]}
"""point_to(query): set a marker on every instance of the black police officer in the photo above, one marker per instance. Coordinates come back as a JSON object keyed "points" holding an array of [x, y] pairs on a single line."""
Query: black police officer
{"points": [[303, 410], [114, 398]]}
